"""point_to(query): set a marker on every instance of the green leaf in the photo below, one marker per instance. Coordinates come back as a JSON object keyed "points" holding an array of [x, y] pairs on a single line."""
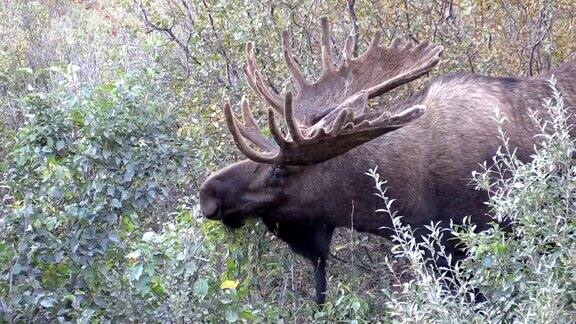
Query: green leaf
{"points": [[116, 203], [148, 236], [231, 315], [201, 287], [157, 287], [136, 272], [500, 248], [356, 306], [47, 302], [247, 315]]}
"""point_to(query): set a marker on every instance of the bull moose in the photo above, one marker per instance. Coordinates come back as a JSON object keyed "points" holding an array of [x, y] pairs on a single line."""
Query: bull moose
{"points": [[310, 179]]}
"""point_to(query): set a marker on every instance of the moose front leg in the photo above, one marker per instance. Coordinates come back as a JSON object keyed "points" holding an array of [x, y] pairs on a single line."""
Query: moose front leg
{"points": [[316, 248], [311, 240], [320, 275]]}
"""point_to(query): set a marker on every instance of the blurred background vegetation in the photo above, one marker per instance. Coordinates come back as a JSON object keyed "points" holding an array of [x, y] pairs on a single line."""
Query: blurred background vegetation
{"points": [[110, 120]]}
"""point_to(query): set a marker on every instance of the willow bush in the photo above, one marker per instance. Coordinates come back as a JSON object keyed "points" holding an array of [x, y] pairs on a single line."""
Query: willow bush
{"points": [[524, 273]]}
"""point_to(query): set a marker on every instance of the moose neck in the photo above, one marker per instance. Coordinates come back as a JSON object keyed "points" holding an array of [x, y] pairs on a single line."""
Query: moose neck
{"points": [[348, 193], [356, 195]]}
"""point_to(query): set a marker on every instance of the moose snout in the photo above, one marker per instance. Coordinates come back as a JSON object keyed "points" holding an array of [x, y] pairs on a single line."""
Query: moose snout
{"points": [[222, 192], [209, 202]]}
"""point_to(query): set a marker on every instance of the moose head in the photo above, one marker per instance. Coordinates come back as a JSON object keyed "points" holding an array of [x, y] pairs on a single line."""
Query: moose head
{"points": [[325, 120]]}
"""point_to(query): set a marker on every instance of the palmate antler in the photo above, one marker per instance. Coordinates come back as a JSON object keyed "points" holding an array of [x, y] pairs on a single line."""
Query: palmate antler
{"points": [[328, 117]]}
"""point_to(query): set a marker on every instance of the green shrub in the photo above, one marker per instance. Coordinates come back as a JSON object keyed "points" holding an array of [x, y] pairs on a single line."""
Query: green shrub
{"points": [[83, 172], [529, 275], [526, 275]]}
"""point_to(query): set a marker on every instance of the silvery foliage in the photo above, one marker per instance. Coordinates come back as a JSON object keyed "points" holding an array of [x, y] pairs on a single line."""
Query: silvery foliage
{"points": [[522, 275]]}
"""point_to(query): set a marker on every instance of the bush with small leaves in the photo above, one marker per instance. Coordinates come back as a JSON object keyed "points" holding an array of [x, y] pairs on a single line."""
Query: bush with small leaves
{"points": [[86, 167], [525, 273]]}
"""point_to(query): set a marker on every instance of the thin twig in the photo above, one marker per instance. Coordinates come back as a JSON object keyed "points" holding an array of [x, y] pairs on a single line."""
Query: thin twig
{"points": [[352, 12], [537, 43], [352, 234]]}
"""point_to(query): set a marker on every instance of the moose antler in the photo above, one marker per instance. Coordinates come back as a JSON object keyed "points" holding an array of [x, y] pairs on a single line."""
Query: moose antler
{"points": [[328, 117]]}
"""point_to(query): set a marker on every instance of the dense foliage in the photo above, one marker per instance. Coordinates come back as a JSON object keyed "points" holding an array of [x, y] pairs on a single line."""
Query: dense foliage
{"points": [[111, 119]]}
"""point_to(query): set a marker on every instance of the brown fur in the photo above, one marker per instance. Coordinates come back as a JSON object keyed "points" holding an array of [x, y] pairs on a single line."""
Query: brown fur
{"points": [[427, 164]]}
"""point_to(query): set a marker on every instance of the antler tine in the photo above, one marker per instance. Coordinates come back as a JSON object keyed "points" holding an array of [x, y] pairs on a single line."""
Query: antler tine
{"points": [[405, 116], [326, 47], [375, 40], [340, 121], [275, 130], [396, 42], [422, 46], [247, 113], [250, 130], [256, 81], [250, 78], [269, 96], [249, 152], [349, 49], [248, 67], [408, 46], [290, 62], [291, 121]]}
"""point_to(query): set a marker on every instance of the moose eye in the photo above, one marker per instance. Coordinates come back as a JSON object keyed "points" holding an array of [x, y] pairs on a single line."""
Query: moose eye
{"points": [[277, 174], [279, 171]]}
